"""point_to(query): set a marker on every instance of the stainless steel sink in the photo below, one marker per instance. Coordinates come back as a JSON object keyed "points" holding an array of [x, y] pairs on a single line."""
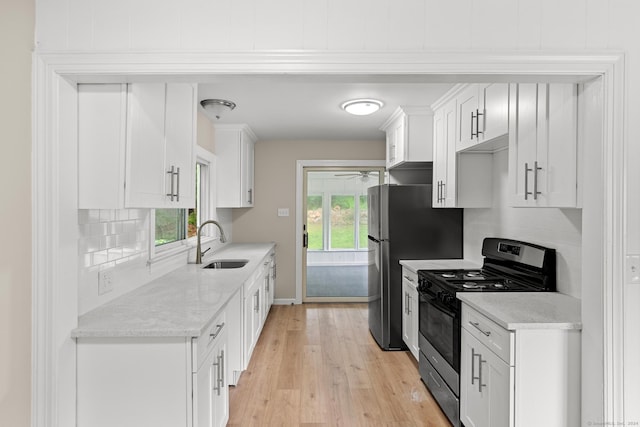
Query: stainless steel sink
{"points": [[227, 263]]}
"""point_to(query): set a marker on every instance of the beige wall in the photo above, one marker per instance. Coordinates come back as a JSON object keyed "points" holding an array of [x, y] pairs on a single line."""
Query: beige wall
{"points": [[16, 42], [275, 187]]}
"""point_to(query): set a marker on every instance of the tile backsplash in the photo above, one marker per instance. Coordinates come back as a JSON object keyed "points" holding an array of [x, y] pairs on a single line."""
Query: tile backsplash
{"points": [[109, 237]]}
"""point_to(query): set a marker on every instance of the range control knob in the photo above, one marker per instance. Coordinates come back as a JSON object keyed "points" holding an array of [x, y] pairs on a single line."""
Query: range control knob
{"points": [[446, 297]]}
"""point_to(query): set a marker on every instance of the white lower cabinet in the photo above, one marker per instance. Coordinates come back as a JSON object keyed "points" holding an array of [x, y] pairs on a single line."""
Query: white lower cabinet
{"points": [[410, 311], [526, 377], [485, 389], [154, 381], [211, 392], [258, 298]]}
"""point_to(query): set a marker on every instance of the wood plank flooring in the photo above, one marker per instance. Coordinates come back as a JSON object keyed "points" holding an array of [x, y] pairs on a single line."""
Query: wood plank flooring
{"points": [[317, 365]]}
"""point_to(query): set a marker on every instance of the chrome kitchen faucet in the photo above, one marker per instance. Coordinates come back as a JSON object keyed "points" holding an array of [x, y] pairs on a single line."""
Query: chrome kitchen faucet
{"points": [[198, 247]]}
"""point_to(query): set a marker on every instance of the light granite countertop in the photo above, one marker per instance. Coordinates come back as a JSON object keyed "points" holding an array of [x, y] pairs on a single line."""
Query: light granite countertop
{"points": [[180, 303], [439, 264], [526, 310]]}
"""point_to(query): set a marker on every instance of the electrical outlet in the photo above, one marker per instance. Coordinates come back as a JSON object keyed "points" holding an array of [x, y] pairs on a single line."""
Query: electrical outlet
{"points": [[105, 281], [283, 211], [633, 269]]}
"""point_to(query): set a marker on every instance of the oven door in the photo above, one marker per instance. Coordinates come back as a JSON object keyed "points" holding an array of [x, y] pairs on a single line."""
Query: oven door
{"points": [[440, 326]]}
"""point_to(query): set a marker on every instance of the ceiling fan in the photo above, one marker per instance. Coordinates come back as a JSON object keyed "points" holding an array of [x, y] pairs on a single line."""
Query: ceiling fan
{"points": [[364, 175]]}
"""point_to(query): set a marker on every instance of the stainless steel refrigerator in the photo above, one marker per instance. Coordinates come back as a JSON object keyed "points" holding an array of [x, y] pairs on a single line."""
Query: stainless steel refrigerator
{"points": [[403, 225]]}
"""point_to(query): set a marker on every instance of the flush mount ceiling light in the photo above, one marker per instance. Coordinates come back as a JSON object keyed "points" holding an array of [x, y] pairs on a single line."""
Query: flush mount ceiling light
{"points": [[362, 107], [217, 107]]}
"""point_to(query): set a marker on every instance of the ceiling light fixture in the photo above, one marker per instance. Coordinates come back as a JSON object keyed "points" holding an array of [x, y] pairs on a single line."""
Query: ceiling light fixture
{"points": [[217, 107], [362, 107]]}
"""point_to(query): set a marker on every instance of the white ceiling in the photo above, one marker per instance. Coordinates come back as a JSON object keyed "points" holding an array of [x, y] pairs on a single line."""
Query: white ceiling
{"points": [[307, 107]]}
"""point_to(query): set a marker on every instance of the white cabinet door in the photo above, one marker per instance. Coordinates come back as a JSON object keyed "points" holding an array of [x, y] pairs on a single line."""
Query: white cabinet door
{"points": [[160, 146], [444, 165], [211, 391], [449, 188], [468, 108], [485, 390], [410, 311], [235, 333], [180, 126], [102, 118], [253, 316], [146, 175], [494, 106], [543, 145], [439, 158], [415, 323], [409, 133], [406, 319], [395, 141], [235, 166]]}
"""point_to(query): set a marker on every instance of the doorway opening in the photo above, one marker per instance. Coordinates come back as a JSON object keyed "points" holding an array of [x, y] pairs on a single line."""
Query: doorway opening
{"points": [[335, 229]]}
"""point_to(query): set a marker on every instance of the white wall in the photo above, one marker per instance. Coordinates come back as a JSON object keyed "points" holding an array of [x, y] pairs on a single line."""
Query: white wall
{"points": [[560, 229]]}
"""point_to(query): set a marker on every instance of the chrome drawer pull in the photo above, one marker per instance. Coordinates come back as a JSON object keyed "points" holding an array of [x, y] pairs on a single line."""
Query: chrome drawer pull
{"points": [[434, 379], [477, 326], [217, 331]]}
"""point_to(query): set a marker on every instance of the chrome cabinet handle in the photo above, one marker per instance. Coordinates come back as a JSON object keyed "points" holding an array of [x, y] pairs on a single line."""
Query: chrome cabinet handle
{"points": [[438, 197], [478, 114], [213, 335], [250, 195], [216, 380], [477, 326], [536, 168], [409, 304], [472, 134], [526, 181], [178, 185], [222, 368], [480, 362], [406, 302], [473, 365], [172, 193]]}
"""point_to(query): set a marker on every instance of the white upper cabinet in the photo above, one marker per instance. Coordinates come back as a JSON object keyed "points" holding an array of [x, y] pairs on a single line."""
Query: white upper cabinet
{"points": [[102, 118], [461, 180], [543, 148], [160, 146], [409, 136], [235, 166], [136, 146], [483, 111]]}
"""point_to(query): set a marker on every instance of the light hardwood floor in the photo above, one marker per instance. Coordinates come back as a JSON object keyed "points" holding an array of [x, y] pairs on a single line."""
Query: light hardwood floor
{"points": [[317, 365]]}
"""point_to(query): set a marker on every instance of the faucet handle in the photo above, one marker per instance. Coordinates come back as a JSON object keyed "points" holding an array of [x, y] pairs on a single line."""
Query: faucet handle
{"points": [[205, 251]]}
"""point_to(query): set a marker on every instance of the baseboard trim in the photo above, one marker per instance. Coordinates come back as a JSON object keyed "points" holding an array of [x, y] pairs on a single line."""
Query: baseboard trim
{"points": [[284, 301]]}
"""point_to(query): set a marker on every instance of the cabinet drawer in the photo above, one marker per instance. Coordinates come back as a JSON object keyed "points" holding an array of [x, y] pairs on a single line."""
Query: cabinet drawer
{"points": [[205, 342], [409, 277], [489, 333]]}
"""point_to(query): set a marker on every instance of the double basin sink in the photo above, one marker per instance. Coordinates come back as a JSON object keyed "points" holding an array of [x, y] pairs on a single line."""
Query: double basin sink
{"points": [[227, 263]]}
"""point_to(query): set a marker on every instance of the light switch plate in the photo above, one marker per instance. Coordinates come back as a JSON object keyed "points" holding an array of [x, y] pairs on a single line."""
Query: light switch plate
{"points": [[283, 211], [105, 281], [632, 269]]}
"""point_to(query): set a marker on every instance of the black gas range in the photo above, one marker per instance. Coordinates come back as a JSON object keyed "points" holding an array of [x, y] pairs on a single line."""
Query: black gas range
{"points": [[508, 266]]}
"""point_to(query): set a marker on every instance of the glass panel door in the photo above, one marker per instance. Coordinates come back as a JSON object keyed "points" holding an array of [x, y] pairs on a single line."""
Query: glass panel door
{"points": [[335, 213]]}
